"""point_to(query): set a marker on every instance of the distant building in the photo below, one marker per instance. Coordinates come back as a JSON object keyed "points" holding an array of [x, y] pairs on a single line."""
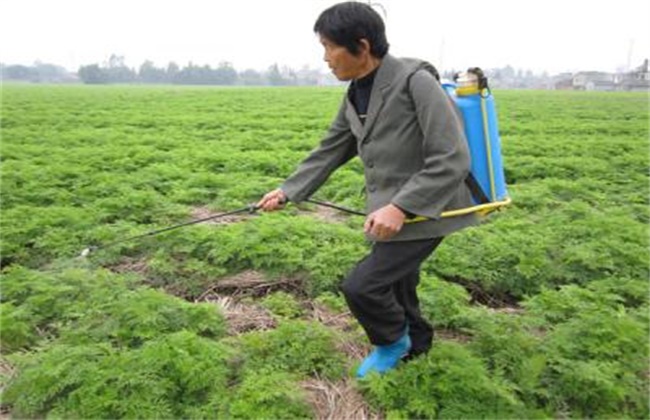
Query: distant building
{"points": [[594, 80], [636, 80], [562, 81]]}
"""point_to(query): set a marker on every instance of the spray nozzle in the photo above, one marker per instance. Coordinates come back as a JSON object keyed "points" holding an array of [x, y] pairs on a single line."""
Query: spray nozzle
{"points": [[87, 251]]}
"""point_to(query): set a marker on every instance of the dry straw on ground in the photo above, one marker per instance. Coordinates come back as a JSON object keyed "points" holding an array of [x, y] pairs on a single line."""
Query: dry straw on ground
{"points": [[329, 400], [337, 400], [242, 317], [253, 283], [131, 265]]}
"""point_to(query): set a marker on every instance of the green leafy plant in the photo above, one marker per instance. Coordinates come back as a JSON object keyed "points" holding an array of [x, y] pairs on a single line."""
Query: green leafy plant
{"points": [[442, 302], [282, 304], [298, 347], [597, 365], [172, 376], [269, 394], [39, 305], [449, 382], [142, 315], [332, 301]]}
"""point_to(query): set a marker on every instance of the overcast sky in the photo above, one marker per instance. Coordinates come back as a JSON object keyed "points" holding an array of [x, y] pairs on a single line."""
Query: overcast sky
{"points": [[551, 35]]}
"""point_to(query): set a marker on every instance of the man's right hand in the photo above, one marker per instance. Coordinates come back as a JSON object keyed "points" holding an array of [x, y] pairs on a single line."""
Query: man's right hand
{"points": [[273, 200]]}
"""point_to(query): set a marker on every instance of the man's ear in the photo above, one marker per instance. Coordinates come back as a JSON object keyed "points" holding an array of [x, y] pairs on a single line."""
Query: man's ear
{"points": [[364, 45]]}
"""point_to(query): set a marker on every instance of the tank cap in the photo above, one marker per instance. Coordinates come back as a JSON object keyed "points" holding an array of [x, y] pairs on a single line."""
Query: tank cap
{"points": [[471, 82], [480, 77]]}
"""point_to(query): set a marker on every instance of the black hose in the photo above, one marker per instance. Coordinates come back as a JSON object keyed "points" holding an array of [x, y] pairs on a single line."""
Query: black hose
{"points": [[252, 208], [248, 209], [334, 206]]}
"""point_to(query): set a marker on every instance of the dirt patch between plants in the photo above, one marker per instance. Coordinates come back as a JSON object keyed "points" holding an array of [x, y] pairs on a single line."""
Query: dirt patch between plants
{"points": [[350, 341], [325, 214], [508, 310], [481, 296], [233, 295], [131, 265], [329, 400], [451, 335], [255, 284], [199, 213], [337, 400], [242, 317], [7, 371]]}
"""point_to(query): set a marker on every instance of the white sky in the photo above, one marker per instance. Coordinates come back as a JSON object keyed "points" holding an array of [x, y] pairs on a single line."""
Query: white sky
{"points": [[551, 35]]}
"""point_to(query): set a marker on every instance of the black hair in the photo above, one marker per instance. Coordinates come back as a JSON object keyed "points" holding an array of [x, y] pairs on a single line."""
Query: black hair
{"points": [[347, 23]]}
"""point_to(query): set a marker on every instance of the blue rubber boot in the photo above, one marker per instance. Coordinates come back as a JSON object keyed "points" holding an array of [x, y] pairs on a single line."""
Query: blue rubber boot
{"points": [[384, 358]]}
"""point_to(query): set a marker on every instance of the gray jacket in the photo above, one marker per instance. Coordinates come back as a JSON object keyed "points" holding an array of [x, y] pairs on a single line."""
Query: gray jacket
{"points": [[412, 147]]}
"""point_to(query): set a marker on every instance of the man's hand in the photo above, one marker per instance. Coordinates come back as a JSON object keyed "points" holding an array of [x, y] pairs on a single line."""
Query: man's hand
{"points": [[273, 200], [385, 222]]}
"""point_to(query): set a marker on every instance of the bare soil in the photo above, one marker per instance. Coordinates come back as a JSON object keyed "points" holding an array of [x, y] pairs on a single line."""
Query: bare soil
{"points": [[199, 213], [325, 214]]}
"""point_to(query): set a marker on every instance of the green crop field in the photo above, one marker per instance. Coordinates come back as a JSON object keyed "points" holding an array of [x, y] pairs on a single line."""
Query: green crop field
{"points": [[542, 311]]}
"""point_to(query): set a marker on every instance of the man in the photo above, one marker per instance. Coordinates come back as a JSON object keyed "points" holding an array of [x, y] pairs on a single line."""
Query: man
{"points": [[397, 119]]}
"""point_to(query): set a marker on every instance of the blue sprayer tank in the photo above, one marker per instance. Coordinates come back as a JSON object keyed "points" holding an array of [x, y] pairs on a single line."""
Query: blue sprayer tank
{"points": [[477, 108]]}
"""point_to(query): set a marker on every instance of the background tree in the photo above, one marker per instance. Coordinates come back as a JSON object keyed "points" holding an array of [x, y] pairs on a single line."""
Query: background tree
{"points": [[17, 72], [225, 74], [172, 72], [148, 73], [274, 76], [93, 74], [251, 77], [117, 70]]}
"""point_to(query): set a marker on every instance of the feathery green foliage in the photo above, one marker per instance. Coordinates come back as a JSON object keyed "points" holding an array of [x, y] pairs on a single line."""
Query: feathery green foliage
{"points": [[167, 377], [88, 165], [269, 394], [298, 347], [282, 304], [449, 382]]}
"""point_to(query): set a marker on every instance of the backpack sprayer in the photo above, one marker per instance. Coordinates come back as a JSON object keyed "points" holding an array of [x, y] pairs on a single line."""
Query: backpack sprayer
{"points": [[474, 99]]}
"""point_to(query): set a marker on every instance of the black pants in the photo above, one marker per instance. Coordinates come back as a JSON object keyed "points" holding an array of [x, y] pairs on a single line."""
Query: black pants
{"points": [[381, 292]]}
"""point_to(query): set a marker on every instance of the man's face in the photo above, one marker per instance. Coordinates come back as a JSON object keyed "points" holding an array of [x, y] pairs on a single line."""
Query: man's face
{"points": [[343, 64]]}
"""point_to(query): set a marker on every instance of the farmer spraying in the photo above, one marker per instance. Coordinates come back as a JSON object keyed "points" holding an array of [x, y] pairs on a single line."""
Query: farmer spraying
{"points": [[397, 118]]}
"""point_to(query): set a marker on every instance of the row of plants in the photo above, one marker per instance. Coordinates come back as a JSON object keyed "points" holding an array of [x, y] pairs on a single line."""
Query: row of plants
{"points": [[90, 343], [102, 345]]}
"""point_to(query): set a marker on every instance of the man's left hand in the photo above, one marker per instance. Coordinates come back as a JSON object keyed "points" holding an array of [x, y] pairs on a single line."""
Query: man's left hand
{"points": [[385, 222]]}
